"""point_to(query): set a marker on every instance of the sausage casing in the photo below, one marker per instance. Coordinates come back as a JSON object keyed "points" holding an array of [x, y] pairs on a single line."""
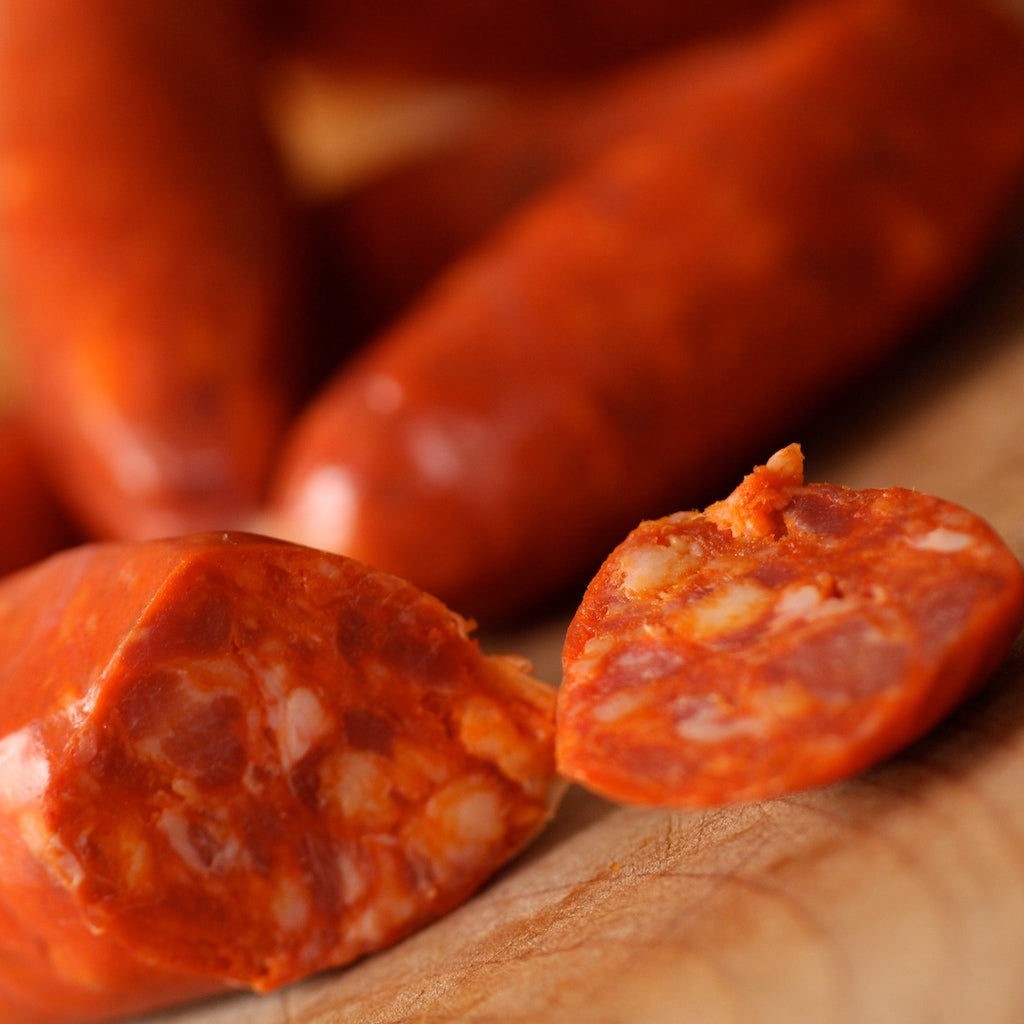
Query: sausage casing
{"points": [[820, 189], [146, 257], [32, 522], [506, 39]]}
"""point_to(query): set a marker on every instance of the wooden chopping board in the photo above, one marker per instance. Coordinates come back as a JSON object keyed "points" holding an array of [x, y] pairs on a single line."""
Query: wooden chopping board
{"points": [[894, 897]]}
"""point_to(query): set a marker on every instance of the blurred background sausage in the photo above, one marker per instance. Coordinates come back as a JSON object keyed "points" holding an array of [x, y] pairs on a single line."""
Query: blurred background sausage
{"points": [[620, 344], [504, 40], [592, 300], [147, 258], [33, 524]]}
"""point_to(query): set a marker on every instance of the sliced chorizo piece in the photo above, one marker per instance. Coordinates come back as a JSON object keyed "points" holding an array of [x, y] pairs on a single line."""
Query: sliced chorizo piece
{"points": [[786, 637], [227, 760], [147, 259], [819, 190]]}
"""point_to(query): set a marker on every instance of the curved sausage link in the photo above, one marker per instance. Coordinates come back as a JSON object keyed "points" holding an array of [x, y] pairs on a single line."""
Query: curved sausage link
{"points": [[818, 191], [146, 257], [226, 760], [505, 39], [32, 522], [451, 196], [789, 636]]}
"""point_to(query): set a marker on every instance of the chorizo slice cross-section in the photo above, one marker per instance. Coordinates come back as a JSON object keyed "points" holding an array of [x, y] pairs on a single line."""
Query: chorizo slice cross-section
{"points": [[227, 760], [788, 636]]}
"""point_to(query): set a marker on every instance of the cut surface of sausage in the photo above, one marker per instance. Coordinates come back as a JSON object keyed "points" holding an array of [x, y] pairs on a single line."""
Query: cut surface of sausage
{"points": [[226, 760], [788, 636]]}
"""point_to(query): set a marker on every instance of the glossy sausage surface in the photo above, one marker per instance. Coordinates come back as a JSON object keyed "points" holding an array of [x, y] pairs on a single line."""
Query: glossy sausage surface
{"points": [[146, 258], [32, 522], [505, 40], [819, 191], [399, 229]]}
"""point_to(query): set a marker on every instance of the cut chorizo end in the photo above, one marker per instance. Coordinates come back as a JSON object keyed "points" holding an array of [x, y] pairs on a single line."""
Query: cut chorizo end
{"points": [[787, 637], [245, 761]]}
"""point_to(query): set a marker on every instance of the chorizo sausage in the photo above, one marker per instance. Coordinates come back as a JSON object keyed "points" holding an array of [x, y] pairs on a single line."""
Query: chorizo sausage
{"points": [[32, 522], [227, 760], [450, 195], [789, 636], [818, 192], [505, 39], [146, 258]]}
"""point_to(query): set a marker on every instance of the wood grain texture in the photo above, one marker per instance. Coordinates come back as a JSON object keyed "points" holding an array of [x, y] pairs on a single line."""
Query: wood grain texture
{"points": [[897, 896]]}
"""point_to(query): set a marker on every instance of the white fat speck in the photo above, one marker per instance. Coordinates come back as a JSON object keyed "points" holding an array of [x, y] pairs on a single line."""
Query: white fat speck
{"points": [[798, 600], [597, 647], [657, 566], [290, 905], [393, 900], [303, 721], [699, 721], [24, 768], [77, 712], [368, 927], [729, 608], [324, 513], [942, 539], [138, 864], [619, 705], [272, 677], [47, 847], [229, 675], [477, 817], [487, 732], [67, 865], [645, 662], [383, 394], [355, 881], [175, 827], [361, 787], [468, 814], [183, 786]]}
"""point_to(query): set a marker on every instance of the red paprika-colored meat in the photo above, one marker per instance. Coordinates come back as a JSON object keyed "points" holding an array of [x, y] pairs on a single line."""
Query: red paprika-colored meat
{"points": [[789, 636], [226, 760]]}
